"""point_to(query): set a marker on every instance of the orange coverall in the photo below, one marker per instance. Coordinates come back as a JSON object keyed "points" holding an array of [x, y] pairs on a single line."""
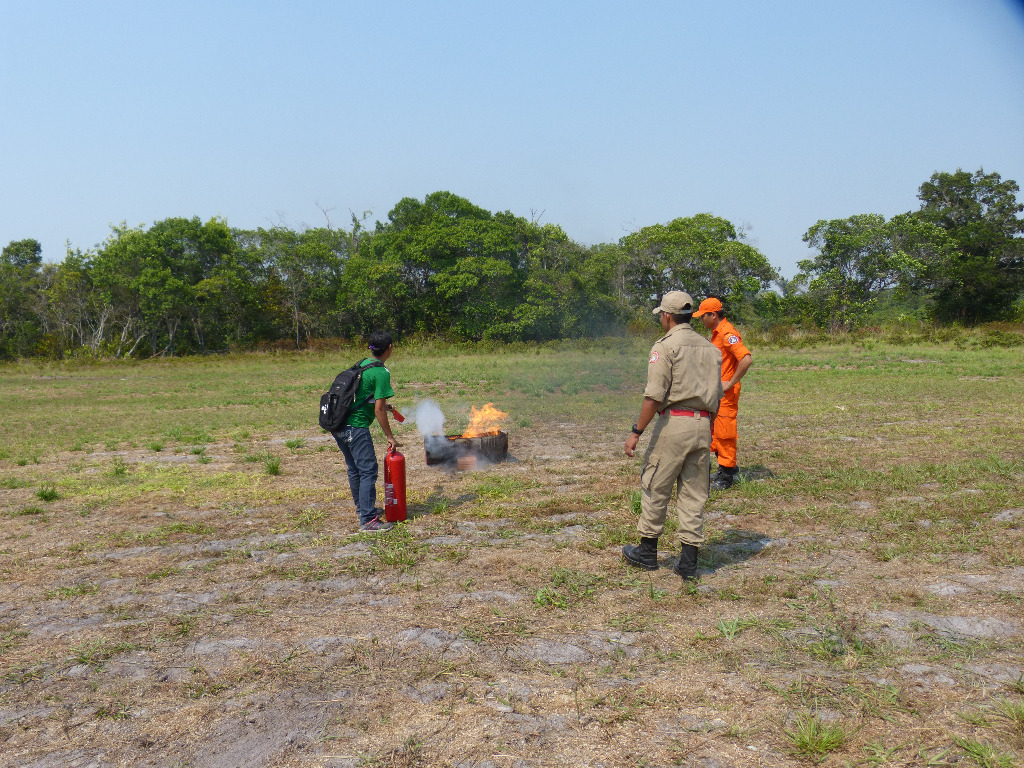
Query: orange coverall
{"points": [[723, 437]]}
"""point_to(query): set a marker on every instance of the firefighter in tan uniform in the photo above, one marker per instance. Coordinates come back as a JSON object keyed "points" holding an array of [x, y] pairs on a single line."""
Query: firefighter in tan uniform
{"points": [[684, 387]]}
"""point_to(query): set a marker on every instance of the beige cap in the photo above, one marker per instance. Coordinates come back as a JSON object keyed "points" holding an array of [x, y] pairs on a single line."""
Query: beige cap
{"points": [[675, 303]]}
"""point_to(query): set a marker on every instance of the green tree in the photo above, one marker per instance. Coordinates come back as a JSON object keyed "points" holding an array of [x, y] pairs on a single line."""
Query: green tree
{"points": [[703, 255], [74, 310], [167, 284], [20, 324], [442, 265], [116, 269], [976, 272], [858, 259], [303, 273], [568, 291], [186, 276]]}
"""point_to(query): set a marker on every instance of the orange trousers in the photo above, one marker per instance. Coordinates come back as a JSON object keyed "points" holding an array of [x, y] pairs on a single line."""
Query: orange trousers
{"points": [[723, 435]]}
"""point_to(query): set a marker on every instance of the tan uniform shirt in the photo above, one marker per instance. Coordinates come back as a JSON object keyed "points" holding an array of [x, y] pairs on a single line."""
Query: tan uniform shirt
{"points": [[684, 371]]}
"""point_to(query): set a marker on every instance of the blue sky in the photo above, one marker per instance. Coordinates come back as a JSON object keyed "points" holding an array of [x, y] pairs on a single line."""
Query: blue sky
{"points": [[600, 117]]}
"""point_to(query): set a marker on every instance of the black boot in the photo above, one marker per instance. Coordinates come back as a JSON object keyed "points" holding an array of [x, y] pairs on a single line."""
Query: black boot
{"points": [[687, 565], [645, 556], [724, 478]]}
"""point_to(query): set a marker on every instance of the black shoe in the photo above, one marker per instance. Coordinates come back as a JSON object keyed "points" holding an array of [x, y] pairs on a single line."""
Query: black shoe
{"points": [[645, 556], [687, 564], [722, 480]]}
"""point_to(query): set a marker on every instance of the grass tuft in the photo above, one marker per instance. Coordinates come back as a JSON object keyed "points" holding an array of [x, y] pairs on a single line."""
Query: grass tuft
{"points": [[1012, 713], [814, 740], [309, 519], [64, 593], [28, 512], [48, 492], [985, 755], [398, 547]]}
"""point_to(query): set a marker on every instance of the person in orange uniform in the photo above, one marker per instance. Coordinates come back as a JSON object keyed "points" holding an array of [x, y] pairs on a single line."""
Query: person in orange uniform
{"points": [[736, 362]]}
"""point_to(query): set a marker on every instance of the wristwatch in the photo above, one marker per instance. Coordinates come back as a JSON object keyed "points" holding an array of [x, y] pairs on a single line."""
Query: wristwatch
{"points": [[636, 431]]}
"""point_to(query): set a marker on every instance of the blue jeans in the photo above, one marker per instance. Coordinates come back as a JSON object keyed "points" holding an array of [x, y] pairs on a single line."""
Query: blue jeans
{"points": [[357, 446]]}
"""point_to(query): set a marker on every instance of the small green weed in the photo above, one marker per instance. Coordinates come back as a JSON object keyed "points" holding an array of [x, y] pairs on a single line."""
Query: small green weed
{"points": [[295, 444], [814, 740], [64, 593], [985, 755], [635, 502], [502, 487], [569, 587], [98, 651], [10, 637], [878, 754], [163, 573], [397, 547], [27, 512], [612, 534], [309, 519], [1012, 713], [118, 467], [272, 464], [181, 626], [156, 446], [199, 528], [577, 584], [730, 628], [48, 492], [25, 674], [549, 597], [117, 710], [162, 533], [632, 622], [253, 457]]}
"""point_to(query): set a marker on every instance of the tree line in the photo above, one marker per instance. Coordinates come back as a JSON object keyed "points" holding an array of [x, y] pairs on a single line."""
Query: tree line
{"points": [[444, 266]]}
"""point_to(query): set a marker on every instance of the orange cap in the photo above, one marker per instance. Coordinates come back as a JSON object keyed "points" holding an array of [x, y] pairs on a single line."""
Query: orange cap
{"points": [[708, 305]]}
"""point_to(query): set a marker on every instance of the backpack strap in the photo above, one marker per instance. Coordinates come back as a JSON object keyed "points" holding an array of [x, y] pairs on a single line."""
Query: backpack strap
{"points": [[362, 369]]}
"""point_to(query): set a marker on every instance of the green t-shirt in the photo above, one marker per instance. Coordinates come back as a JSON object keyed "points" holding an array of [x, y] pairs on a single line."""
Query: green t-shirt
{"points": [[375, 385]]}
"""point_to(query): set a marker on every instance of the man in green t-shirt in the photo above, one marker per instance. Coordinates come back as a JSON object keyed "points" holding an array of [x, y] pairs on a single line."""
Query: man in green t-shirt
{"points": [[354, 438]]}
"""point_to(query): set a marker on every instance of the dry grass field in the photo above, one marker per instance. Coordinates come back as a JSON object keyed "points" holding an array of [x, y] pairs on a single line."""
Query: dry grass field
{"points": [[182, 584]]}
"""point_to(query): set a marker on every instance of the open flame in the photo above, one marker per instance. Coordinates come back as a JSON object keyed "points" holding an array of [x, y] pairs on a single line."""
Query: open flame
{"points": [[484, 421]]}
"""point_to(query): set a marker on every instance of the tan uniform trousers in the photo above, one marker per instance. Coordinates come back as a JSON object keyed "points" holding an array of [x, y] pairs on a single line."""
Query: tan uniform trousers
{"points": [[677, 456]]}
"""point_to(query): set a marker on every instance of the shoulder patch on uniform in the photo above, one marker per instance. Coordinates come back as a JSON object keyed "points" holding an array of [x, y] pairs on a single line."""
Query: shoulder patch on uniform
{"points": [[654, 356], [734, 339]]}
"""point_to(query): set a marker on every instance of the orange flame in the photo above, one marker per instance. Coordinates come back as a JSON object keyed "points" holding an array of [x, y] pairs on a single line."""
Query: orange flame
{"points": [[485, 421]]}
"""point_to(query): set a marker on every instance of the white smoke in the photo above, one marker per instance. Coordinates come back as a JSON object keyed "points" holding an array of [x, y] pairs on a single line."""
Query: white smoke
{"points": [[429, 418], [430, 422]]}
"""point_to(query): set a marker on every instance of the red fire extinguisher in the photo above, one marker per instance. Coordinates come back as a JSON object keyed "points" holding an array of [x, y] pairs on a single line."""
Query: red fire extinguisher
{"points": [[394, 486]]}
